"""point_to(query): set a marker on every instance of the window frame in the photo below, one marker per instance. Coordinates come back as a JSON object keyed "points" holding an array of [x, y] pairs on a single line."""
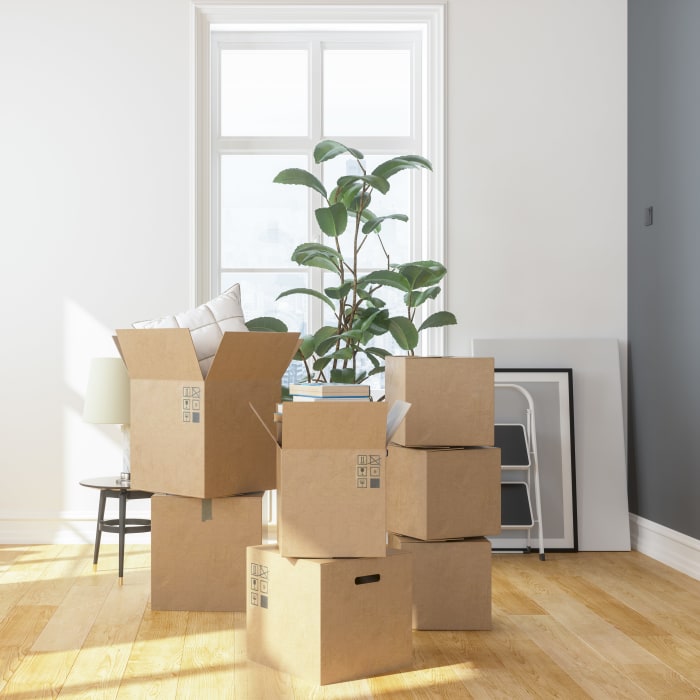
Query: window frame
{"points": [[207, 17]]}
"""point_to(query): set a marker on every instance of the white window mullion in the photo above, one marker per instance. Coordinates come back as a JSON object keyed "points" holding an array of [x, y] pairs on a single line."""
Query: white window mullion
{"points": [[315, 201]]}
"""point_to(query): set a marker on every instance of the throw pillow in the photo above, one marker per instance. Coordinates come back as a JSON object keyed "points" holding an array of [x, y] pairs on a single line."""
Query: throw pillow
{"points": [[207, 324]]}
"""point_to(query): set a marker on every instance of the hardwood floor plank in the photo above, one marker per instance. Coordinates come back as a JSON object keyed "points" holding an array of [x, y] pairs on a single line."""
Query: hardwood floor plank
{"points": [[509, 598], [676, 654], [670, 603], [9, 553], [99, 667], [579, 625], [207, 669], [592, 672], [18, 631], [156, 656], [661, 682], [58, 576], [71, 623], [40, 675], [28, 566]]}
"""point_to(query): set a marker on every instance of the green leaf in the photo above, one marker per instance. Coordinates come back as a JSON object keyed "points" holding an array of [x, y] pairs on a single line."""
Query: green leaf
{"points": [[438, 319], [317, 255], [376, 370], [332, 220], [373, 321], [403, 332], [343, 376], [379, 183], [321, 363], [323, 333], [325, 150], [338, 292], [379, 352], [266, 324], [372, 301], [373, 359], [306, 349], [423, 273], [310, 292], [347, 194], [297, 176], [326, 338], [394, 165], [352, 335], [376, 222], [414, 299], [389, 278], [344, 353]]}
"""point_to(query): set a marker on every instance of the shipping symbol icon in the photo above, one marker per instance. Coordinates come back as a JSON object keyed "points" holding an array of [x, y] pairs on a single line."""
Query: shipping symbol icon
{"points": [[191, 396]]}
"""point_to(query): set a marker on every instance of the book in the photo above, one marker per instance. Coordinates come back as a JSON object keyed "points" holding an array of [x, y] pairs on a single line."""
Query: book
{"points": [[300, 397], [329, 389]]}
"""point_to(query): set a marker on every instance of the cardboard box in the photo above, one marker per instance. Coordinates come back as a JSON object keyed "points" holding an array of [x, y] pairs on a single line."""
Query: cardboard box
{"points": [[451, 583], [198, 551], [329, 620], [197, 437], [452, 400], [331, 481], [437, 494]]}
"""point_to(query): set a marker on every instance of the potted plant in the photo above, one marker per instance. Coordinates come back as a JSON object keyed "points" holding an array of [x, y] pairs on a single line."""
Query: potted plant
{"points": [[334, 351]]}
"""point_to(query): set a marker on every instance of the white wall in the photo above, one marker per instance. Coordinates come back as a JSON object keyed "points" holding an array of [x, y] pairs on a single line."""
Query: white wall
{"points": [[95, 206], [536, 191]]}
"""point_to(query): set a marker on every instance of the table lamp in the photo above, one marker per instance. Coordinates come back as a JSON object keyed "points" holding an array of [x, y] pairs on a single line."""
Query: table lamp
{"points": [[107, 402]]}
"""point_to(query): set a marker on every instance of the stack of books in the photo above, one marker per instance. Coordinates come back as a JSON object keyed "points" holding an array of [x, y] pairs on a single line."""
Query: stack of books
{"points": [[329, 392]]}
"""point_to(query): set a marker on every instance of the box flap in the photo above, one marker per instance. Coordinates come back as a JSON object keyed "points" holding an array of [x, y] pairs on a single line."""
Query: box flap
{"points": [[253, 355], [262, 422], [341, 424], [159, 353], [397, 413]]}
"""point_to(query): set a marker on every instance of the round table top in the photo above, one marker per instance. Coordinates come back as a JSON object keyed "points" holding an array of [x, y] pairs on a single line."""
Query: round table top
{"points": [[105, 482]]}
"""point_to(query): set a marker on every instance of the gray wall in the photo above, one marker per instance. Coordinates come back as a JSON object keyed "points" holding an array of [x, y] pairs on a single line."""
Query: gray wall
{"points": [[664, 275]]}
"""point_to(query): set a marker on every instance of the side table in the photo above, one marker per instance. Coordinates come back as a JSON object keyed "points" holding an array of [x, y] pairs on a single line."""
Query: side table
{"points": [[113, 487]]}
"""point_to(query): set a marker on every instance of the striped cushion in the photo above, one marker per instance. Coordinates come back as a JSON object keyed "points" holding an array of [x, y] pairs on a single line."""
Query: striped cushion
{"points": [[207, 324]]}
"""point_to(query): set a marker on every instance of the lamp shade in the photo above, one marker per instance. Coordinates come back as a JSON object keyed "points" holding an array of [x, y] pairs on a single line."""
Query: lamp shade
{"points": [[107, 395]]}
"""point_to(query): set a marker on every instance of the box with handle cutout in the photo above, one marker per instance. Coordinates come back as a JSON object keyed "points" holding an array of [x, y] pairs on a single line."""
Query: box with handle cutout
{"points": [[329, 620]]}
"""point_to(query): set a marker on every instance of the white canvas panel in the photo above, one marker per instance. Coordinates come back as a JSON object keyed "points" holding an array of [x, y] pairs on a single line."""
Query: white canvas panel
{"points": [[601, 465]]}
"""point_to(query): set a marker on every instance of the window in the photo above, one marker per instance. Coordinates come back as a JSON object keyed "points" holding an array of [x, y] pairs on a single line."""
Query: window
{"points": [[271, 83]]}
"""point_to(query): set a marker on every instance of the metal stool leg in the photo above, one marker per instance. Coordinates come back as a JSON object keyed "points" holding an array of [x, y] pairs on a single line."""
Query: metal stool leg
{"points": [[98, 533], [122, 532]]}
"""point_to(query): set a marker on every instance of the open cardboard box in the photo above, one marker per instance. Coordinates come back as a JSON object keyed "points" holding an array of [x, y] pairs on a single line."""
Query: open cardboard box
{"points": [[331, 477], [198, 551], [196, 437], [329, 620]]}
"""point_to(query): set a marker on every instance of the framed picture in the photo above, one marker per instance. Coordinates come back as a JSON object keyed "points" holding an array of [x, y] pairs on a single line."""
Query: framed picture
{"points": [[553, 410]]}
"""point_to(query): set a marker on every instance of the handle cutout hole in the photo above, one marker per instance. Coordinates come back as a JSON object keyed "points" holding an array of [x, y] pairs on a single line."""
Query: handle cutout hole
{"points": [[371, 578]]}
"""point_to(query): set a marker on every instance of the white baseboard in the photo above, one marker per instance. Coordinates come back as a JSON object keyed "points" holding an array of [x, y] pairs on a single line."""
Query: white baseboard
{"points": [[672, 548], [64, 528], [656, 541]]}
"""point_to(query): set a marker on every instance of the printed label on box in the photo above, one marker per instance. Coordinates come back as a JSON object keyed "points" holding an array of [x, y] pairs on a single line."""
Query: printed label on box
{"points": [[191, 402], [259, 585], [368, 469]]}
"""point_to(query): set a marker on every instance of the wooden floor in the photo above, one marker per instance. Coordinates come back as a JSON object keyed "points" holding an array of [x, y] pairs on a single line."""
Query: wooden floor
{"points": [[586, 625]]}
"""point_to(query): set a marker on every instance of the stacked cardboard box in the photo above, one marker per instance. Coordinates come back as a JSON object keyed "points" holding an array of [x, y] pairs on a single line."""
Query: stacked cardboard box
{"points": [[330, 603], [443, 486], [196, 445]]}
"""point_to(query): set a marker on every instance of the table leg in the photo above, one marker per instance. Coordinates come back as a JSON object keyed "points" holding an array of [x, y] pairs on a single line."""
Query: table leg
{"points": [[122, 531], [98, 533]]}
